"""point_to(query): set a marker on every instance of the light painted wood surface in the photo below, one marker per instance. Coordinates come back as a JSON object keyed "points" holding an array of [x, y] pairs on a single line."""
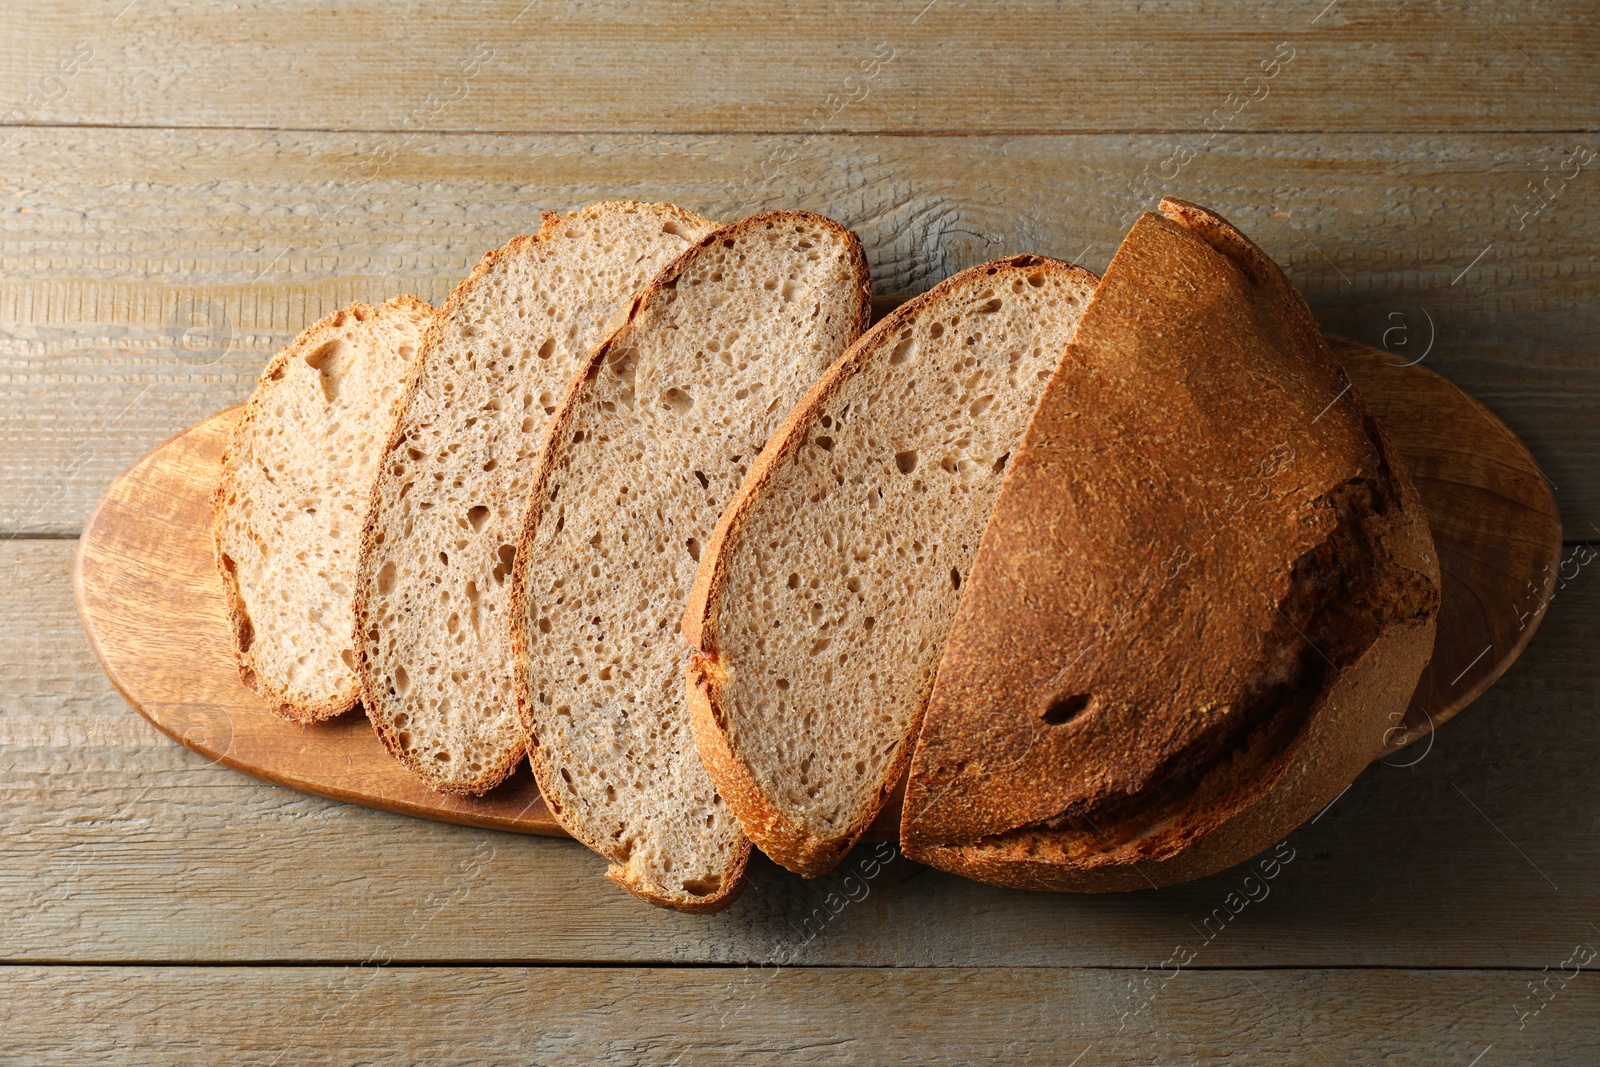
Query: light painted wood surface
{"points": [[120, 845], [185, 186], [816, 1016], [150, 274], [925, 65]]}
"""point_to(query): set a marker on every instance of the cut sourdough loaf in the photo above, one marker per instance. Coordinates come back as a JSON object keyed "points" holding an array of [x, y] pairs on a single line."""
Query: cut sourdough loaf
{"points": [[287, 511], [825, 596], [432, 592], [1203, 601], [648, 446]]}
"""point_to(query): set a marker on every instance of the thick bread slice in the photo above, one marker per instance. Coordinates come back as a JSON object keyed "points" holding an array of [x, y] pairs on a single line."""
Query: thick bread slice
{"points": [[287, 512], [828, 589], [648, 446], [433, 589], [1204, 599]]}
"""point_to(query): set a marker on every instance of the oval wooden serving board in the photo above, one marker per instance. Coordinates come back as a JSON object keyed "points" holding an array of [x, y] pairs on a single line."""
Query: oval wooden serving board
{"points": [[152, 603]]}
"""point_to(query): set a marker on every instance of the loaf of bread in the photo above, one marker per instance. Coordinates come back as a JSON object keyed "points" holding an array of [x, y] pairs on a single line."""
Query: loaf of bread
{"points": [[650, 443], [287, 510], [433, 587], [1206, 593], [824, 598]]}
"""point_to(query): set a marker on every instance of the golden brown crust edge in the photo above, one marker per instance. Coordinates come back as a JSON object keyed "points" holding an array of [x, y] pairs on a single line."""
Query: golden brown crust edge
{"points": [[1348, 725], [280, 703], [783, 841], [555, 430]]}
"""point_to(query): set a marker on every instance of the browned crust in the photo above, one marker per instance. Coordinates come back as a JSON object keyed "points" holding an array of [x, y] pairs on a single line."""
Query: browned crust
{"points": [[238, 624], [370, 695], [555, 433], [788, 844], [1346, 726], [732, 886]]}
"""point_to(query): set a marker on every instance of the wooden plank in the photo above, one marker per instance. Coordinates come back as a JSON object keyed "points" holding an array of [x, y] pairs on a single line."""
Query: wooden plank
{"points": [[145, 277], [887, 65], [768, 1015], [122, 846]]}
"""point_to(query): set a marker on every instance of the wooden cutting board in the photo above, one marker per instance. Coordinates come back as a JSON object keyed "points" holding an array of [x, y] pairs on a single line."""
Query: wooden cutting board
{"points": [[152, 603]]}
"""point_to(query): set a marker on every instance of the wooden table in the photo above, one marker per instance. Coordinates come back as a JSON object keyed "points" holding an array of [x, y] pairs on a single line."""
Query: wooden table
{"points": [[183, 186]]}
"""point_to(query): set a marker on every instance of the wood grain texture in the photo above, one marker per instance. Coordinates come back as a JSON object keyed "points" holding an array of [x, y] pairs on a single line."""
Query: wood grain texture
{"points": [[768, 1015], [184, 678], [652, 65], [120, 845], [148, 275], [151, 603], [1494, 524]]}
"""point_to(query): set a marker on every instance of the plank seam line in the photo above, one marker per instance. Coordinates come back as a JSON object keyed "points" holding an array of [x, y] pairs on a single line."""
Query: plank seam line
{"points": [[677, 965], [991, 132]]}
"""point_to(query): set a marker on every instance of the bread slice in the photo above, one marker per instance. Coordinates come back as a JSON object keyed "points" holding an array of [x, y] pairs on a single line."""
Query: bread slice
{"points": [[433, 588], [1204, 599], [825, 595], [287, 511], [648, 446]]}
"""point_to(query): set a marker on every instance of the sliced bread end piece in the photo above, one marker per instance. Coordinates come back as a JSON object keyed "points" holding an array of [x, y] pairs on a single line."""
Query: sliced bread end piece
{"points": [[825, 596], [287, 510], [434, 584], [647, 448]]}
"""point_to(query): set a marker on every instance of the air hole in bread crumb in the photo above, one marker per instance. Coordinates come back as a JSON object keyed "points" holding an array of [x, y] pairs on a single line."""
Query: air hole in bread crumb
{"points": [[444, 557], [326, 362], [783, 683], [989, 307], [702, 887], [936, 331], [678, 400], [386, 579], [705, 483], [906, 462], [477, 515], [1065, 707], [824, 443], [1000, 464], [507, 555], [1036, 279], [547, 349], [402, 682], [414, 453], [794, 581], [694, 549]]}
